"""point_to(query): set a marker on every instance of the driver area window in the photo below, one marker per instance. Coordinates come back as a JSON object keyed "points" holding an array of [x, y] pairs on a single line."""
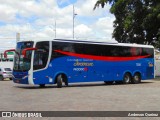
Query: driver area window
{"points": [[41, 55]]}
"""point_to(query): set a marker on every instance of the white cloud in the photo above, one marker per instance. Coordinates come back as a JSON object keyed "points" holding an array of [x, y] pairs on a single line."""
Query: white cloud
{"points": [[105, 26], [82, 31], [7, 13], [85, 8], [37, 20]]}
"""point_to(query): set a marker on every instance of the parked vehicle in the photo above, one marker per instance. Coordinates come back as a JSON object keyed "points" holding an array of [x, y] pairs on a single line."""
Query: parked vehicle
{"points": [[5, 73]]}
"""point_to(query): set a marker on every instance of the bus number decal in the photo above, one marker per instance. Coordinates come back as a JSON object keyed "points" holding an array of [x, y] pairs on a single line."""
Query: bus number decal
{"points": [[138, 64]]}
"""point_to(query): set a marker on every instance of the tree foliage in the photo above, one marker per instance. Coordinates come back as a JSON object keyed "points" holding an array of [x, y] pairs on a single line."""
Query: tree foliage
{"points": [[137, 21]]}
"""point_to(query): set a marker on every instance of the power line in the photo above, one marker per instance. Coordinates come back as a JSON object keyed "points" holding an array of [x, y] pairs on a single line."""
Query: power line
{"points": [[8, 38]]}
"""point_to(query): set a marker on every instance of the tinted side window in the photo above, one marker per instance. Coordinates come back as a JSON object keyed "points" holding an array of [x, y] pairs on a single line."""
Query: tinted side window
{"points": [[136, 51], [98, 50], [63, 46], [7, 69], [80, 48], [148, 51], [102, 50]]}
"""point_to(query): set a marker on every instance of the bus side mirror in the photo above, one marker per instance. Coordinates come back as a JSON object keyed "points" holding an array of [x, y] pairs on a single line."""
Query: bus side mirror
{"points": [[27, 49], [5, 52]]}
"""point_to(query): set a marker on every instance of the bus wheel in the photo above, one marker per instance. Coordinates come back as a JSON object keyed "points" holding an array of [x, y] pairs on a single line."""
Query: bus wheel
{"points": [[126, 78], [59, 81], [42, 85], [136, 78]]}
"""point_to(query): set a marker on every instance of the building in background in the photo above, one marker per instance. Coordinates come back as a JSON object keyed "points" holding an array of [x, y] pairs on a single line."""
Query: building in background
{"points": [[10, 56], [6, 63]]}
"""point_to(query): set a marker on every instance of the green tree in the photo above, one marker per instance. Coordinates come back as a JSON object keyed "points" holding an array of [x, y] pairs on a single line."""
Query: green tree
{"points": [[137, 21]]}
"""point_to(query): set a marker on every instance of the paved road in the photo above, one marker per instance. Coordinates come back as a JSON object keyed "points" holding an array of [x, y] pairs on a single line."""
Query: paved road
{"points": [[81, 97]]}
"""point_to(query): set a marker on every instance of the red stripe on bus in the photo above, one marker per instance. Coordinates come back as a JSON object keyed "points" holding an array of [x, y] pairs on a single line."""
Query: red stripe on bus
{"points": [[103, 58]]}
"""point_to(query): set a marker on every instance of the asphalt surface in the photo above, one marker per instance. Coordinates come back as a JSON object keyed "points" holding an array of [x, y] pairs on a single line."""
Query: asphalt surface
{"points": [[81, 97]]}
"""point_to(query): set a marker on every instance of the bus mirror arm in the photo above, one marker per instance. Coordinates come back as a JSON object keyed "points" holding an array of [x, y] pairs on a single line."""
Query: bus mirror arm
{"points": [[5, 52], [27, 49]]}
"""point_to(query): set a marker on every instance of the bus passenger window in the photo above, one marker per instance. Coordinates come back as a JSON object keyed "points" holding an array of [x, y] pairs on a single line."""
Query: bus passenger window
{"points": [[136, 51]]}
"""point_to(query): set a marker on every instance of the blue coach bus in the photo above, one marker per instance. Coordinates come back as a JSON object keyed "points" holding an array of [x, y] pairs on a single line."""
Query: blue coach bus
{"points": [[69, 61]]}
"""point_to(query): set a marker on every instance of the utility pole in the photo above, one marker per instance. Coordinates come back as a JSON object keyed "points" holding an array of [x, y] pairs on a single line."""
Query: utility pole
{"points": [[74, 14], [17, 37], [55, 29]]}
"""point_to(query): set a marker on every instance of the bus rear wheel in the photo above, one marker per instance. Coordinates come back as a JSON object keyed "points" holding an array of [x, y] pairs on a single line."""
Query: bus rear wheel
{"points": [[136, 78], [127, 78]]}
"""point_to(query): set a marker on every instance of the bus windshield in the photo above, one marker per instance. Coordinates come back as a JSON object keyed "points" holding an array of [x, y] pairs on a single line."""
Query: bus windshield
{"points": [[20, 63]]}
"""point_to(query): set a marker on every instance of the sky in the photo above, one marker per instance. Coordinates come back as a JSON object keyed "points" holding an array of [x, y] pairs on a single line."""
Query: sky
{"points": [[35, 20]]}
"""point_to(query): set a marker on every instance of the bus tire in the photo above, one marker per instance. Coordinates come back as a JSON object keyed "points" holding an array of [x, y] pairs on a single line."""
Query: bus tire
{"points": [[59, 81], [136, 78], [66, 83], [65, 80], [42, 85], [127, 78]]}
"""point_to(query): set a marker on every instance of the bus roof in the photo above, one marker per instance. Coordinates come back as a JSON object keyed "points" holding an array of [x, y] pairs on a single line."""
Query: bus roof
{"points": [[115, 43], [104, 43]]}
